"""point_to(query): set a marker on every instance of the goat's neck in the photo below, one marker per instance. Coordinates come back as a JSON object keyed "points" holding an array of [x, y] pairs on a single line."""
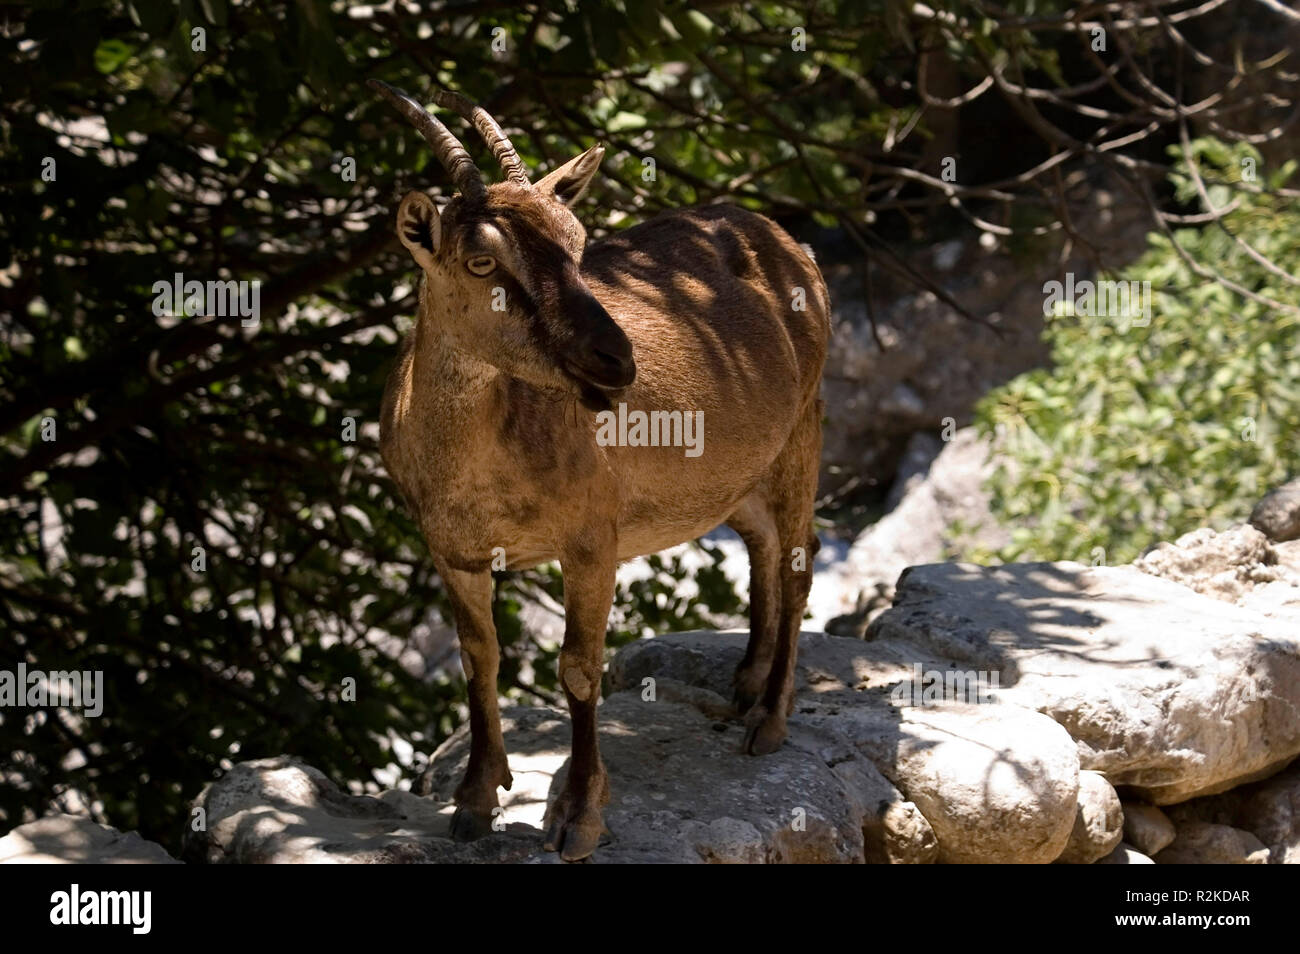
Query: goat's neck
{"points": [[445, 378]]}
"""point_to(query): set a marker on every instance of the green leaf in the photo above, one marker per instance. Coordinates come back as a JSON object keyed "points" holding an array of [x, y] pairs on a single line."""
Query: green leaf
{"points": [[111, 54]]}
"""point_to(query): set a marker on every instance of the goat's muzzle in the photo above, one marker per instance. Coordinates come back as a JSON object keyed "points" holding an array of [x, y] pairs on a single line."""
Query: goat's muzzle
{"points": [[602, 354]]}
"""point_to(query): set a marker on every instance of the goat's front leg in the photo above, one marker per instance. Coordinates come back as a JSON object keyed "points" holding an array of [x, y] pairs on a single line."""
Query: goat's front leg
{"points": [[574, 822], [476, 796]]}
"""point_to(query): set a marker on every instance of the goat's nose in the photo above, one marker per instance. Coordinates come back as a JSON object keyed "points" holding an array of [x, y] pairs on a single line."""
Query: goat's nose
{"points": [[606, 351], [618, 365]]}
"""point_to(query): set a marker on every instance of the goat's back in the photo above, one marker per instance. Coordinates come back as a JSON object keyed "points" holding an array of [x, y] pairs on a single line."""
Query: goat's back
{"points": [[716, 289], [727, 315]]}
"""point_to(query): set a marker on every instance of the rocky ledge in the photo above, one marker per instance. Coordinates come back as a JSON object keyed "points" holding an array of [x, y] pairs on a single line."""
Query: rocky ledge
{"points": [[1032, 713]]}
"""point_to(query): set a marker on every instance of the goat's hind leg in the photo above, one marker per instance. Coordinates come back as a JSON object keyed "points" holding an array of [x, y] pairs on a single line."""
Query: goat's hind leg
{"points": [[793, 484], [476, 795], [755, 523]]}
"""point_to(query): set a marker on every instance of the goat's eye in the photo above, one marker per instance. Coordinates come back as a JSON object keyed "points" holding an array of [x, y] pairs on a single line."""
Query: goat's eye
{"points": [[481, 265]]}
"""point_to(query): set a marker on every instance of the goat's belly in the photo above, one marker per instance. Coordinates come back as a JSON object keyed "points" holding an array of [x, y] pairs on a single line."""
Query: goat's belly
{"points": [[662, 496], [642, 541], [678, 511]]}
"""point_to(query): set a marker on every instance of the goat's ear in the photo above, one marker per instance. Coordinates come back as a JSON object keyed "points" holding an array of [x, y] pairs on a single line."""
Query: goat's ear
{"points": [[570, 181], [419, 227]]}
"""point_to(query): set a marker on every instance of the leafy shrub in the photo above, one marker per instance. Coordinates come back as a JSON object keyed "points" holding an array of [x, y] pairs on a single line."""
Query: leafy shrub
{"points": [[1139, 434]]}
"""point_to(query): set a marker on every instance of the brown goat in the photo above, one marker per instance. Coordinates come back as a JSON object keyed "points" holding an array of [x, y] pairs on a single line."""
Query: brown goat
{"points": [[492, 427]]}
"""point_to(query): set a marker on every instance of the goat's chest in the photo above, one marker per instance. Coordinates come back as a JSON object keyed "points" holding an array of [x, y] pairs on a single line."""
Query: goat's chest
{"points": [[498, 495]]}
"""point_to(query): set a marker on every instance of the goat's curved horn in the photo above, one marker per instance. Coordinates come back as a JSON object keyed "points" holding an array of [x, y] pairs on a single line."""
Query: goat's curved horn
{"points": [[446, 147], [491, 132]]}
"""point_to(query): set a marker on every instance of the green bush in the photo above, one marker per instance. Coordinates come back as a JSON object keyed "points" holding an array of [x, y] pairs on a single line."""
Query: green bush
{"points": [[1138, 434]]}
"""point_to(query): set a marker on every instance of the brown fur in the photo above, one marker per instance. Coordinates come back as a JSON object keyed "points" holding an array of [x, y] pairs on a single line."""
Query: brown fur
{"points": [[489, 430]]}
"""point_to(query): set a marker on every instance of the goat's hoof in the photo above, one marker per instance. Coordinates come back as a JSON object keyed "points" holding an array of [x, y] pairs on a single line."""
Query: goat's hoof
{"points": [[576, 840], [764, 731], [575, 832], [469, 825]]}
